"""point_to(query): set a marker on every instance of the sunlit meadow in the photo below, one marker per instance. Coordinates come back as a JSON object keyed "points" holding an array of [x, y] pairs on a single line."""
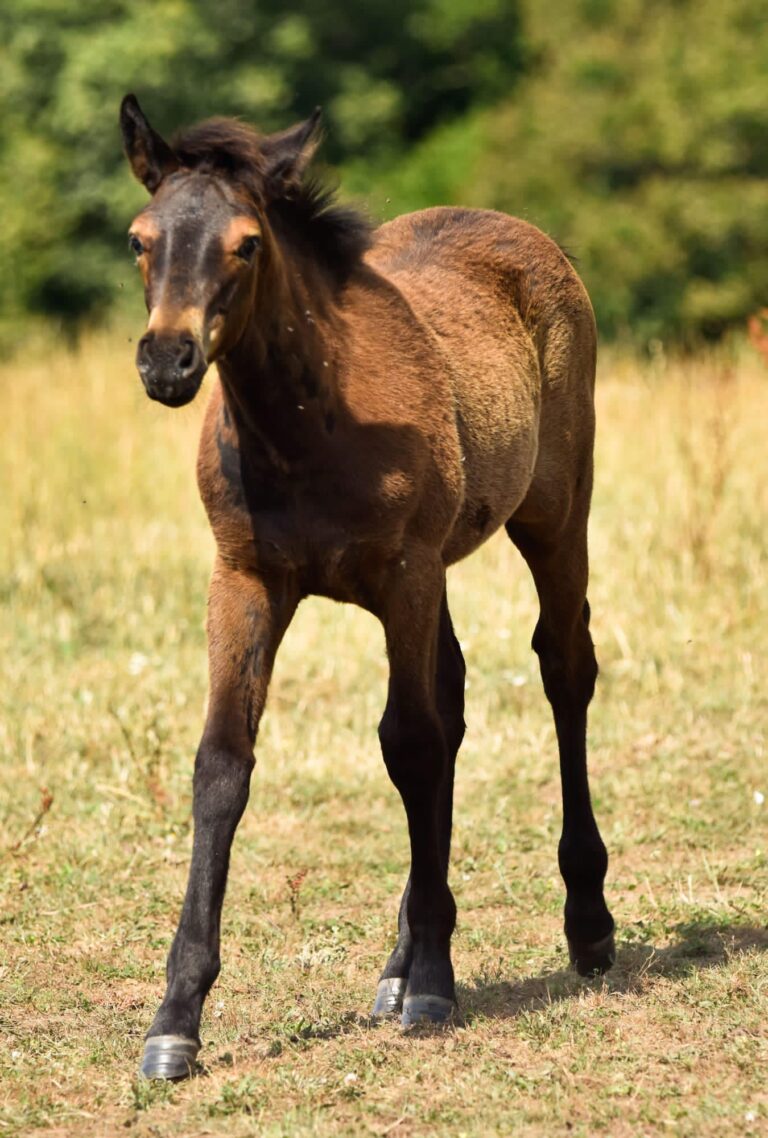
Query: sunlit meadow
{"points": [[104, 556]]}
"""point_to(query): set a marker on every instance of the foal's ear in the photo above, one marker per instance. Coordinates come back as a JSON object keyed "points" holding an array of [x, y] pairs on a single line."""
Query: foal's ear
{"points": [[150, 156], [287, 155]]}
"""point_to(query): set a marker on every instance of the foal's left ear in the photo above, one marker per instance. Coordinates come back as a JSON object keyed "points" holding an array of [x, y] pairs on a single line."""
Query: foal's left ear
{"points": [[150, 156], [287, 155]]}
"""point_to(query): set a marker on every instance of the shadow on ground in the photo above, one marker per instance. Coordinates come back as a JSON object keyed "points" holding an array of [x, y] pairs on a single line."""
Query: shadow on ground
{"points": [[699, 945]]}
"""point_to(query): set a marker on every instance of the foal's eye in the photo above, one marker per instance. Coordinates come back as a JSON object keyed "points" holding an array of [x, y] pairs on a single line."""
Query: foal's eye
{"points": [[248, 248], [135, 245]]}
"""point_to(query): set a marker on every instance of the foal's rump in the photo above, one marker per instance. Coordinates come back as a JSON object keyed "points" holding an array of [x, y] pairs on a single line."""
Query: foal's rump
{"points": [[514, 322]]}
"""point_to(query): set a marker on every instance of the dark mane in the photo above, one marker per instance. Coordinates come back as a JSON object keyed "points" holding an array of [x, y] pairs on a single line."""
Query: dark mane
{"points": [[310, 218], [336, 234]]}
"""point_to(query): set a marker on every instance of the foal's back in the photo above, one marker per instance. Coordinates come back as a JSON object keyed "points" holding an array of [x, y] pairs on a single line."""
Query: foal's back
{"points": [[516, 333]]}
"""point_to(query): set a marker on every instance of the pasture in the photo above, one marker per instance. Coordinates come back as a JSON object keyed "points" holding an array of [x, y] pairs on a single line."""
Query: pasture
{"points": [[104, 557]]}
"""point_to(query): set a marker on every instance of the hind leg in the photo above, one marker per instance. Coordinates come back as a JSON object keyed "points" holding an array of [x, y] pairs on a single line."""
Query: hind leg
{"points": [[568, 670], [449, 696]]}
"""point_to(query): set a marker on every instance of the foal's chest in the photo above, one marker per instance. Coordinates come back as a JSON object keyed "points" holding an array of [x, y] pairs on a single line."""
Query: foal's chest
{"points": [[332, 521]]}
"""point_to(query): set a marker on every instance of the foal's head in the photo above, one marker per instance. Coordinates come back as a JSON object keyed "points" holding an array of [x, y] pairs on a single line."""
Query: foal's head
{"points": [[204, 241]]}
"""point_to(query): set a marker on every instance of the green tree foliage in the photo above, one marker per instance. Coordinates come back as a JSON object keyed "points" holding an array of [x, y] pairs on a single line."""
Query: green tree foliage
{"points": [[387, 72], [634, 131], [641, 142]]}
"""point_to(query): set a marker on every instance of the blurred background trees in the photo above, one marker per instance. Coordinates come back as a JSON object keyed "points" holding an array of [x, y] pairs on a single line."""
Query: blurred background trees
{"points": [[634, 131]]}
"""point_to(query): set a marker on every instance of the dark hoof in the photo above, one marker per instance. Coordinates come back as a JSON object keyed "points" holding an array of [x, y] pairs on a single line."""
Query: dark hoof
{"points": [[389, 998], [593, 959], [427, 1009], [169, 1057]]}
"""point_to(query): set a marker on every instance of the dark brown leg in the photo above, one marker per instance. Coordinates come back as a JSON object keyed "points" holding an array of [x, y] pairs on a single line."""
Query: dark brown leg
{"points": [[450, 707], [416, 753], [246, 621], [568, 670]]}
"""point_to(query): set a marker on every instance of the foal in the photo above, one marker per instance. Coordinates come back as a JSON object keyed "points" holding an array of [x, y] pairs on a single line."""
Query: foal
{"points": [[386, 400]]}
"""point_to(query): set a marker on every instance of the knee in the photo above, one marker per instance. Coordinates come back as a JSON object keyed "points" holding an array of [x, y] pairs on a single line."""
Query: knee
{"points": [[413, 746], [458, 676], [451, 704], [454, 728], [585, 669], [221, 780], [568, 664]]}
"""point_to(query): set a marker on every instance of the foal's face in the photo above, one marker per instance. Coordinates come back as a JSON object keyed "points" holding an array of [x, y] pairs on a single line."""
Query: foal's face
{"points": [[197, 246], [198, 242]]}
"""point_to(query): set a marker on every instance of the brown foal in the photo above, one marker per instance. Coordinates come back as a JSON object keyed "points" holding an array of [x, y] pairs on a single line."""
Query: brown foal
{"points": [[387, 399]]}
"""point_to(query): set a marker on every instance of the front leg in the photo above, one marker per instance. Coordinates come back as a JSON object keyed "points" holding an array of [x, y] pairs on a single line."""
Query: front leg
{"points": [[449, 695], [246, 621], [418, 978]]}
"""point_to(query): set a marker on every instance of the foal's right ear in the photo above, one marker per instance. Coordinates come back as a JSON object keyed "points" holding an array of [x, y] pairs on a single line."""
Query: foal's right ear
{"points": [[150, 156]]}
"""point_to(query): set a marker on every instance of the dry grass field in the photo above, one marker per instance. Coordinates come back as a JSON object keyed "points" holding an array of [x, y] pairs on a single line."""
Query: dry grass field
{"points": [[104, 555]]}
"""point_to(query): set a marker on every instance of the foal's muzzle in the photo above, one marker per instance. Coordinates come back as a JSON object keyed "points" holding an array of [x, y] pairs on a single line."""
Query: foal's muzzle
{"points": [[171, 367]]}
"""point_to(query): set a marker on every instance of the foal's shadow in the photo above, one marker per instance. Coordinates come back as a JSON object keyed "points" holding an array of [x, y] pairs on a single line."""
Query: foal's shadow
{"points": [[700, 945]]}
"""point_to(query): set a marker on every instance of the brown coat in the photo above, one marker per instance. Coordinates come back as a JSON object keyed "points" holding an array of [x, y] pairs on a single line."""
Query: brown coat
{"points": [[386, 400]]}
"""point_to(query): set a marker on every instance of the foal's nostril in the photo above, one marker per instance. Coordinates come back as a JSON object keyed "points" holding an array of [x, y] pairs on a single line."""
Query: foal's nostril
{"points": [[187, 360], [171, 366]]}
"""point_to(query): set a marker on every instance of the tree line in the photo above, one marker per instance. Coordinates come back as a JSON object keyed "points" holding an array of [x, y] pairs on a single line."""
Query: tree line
{"points": [[633, 131]]}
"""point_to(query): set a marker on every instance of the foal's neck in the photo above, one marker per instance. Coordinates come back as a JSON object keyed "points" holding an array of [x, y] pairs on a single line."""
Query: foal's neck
{"points": [[280, 378]]}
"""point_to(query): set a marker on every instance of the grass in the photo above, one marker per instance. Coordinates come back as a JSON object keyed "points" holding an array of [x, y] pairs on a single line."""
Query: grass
{"points": [[103, 570]]}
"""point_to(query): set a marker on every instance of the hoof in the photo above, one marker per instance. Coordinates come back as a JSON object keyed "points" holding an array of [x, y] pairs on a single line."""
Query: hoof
{"points": [[427, 1009], [389, 998], [593, 959], [169, 1057]]}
